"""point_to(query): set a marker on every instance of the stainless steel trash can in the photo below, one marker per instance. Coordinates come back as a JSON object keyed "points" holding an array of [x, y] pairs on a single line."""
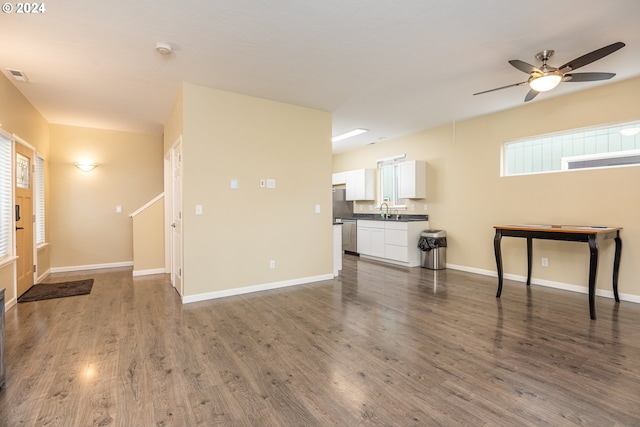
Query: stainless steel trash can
{"points": [[433, 244]]}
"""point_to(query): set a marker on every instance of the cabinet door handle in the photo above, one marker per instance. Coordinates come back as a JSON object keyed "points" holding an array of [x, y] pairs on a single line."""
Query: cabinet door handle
{"points": [[19, 228]]}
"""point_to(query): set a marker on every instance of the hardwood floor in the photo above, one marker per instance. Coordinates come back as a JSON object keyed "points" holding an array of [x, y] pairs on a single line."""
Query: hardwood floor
{"points": [[380, 345]]}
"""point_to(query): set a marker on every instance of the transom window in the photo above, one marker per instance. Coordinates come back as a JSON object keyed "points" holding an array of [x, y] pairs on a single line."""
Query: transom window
{"points": [[606, 146]]}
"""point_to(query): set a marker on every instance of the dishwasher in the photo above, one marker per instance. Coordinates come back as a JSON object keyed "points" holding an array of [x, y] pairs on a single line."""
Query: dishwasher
{"points": [[350, 236]]}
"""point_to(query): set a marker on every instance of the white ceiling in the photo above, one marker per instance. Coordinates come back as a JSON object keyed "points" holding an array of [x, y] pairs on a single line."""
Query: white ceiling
{"points": [[394, 67]]}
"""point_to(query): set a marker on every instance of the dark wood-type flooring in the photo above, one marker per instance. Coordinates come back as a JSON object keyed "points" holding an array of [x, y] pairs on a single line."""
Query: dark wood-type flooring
{"points": [[380, 345]]}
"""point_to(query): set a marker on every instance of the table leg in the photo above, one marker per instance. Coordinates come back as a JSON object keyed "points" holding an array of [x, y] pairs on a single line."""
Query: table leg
{"points": [[529, 259], [616, 266], [496, 247], [593, 271]]}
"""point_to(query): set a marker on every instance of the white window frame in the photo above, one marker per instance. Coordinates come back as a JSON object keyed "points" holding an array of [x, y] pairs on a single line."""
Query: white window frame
{"points": [[390, 161], [594, 146], [6, 199], [40, 235]]}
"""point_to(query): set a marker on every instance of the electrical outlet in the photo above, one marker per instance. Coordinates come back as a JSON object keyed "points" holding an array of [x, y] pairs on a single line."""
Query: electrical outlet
{"points": [[272, 264], [545, 262]]}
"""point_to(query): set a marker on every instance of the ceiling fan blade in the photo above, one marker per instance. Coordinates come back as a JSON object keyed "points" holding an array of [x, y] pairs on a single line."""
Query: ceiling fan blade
{"points": [[530, 95], [591, 57], [587, 77], [500, 88], [524, 67]]}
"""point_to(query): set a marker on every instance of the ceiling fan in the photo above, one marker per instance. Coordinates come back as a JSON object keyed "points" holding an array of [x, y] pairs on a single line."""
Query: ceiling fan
{"points": [[545, 78]]}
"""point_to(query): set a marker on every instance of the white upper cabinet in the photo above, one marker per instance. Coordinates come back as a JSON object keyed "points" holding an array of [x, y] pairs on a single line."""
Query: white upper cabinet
{"points": [[339, 178], [360, 184], [412, 180]]}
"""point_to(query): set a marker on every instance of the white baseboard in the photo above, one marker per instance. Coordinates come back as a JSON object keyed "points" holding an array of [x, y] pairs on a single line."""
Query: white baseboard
{"points": [[256, 288], [43, 276], [91, 267], [10, 303], [547, 283], [137, 273]]}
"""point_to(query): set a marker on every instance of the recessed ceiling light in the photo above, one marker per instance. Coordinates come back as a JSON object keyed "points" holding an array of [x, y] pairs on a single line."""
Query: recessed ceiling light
{"points": [[164, 48], [349, 134]]}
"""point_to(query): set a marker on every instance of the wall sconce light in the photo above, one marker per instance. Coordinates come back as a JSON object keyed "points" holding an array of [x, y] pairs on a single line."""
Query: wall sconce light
{"points": [[85, 167]]}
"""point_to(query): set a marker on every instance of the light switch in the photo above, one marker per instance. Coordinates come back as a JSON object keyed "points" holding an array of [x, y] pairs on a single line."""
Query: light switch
{"points": [[234, 184], [317, 208], [263, 182], [118, 209], [199, 210]]}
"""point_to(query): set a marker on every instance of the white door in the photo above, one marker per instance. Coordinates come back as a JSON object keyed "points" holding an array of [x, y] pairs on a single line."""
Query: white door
{"points": [[176, 214]]}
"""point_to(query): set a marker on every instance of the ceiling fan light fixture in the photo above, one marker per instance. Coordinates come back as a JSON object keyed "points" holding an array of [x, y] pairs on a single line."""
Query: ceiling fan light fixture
{"points": [[630, 131], [545, 82]]}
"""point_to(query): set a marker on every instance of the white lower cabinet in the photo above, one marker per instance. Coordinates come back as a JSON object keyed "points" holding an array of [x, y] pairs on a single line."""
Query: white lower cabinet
{"points": [[391, 241], [371, 238]]}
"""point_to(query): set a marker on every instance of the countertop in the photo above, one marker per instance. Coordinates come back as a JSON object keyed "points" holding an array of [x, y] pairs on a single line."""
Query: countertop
{"points": [[378, 217]]}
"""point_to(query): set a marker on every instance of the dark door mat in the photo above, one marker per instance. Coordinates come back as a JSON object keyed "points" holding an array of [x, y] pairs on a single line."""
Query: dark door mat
{"points": [[57, 290]]}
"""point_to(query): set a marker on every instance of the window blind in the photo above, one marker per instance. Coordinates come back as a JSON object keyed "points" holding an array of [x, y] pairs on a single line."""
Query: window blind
{"points": [[6, 218], [39, 203]]}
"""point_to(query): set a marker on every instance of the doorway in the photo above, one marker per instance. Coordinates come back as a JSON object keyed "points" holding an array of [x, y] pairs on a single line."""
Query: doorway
{"points": [[24, 168], [175, 213]]}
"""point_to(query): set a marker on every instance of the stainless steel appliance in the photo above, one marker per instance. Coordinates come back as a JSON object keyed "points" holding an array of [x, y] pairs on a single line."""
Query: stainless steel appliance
{"points": [[341, 207], [350, 236], [343, 211]]}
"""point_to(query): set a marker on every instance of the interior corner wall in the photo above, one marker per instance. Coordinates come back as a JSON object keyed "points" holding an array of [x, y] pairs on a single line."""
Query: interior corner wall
{"points": [[174, 123], [228, 138], [18, 116], [466, 195], [85, 229]]}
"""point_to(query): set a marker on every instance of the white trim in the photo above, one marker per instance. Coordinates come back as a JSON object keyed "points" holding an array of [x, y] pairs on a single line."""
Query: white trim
{"points": [[8, 304], [9, 259], [548, 283], [392, 158], [137, 273], [43, 276], [16, 138], [42, 245], [391, 261], [255, 288], [91, 267], [146, 205]]}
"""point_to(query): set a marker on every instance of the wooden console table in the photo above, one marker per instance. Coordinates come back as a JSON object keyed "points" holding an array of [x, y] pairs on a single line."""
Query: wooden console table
{"points": [[591, 235]]}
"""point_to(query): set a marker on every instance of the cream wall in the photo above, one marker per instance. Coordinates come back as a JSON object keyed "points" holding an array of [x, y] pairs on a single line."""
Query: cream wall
{"points": [[466, 195], [85, 229], [148, 239], [228, 136], [17, 116], [174, 123]]}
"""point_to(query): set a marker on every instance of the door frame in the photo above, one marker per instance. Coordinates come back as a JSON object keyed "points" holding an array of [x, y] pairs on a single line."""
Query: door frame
{"points": [[170, 253], [34, 249]]}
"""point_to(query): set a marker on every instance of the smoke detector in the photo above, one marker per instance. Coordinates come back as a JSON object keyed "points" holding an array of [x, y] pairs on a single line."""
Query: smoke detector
{"points": [[18, 75], [164, 48]]}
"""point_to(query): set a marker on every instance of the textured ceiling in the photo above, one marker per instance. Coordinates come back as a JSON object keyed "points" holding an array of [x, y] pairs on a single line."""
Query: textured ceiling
{"points": [[392, 67]]}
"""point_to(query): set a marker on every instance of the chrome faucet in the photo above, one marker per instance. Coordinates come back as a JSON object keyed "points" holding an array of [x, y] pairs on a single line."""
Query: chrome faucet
{"points": [[385, 216]]}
